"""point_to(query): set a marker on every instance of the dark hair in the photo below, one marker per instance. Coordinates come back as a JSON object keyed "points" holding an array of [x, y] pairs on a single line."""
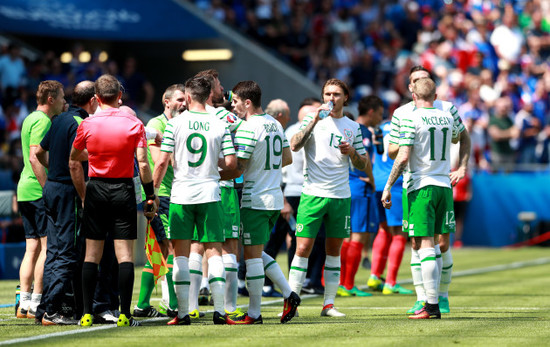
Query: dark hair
{"points": [[46, 89], [107, 88], [170, 91], [198, 88], [83, 92], [371, 102], [349, 115], [210, 72], [249, 90], [339, 83], [309, 101], [420, 68]]}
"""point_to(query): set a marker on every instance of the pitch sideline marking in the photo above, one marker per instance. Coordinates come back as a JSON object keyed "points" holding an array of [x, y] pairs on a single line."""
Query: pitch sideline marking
{"points": [[514, 265]]}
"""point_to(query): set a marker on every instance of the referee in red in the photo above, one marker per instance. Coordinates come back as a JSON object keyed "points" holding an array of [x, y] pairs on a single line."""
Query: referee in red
{"points": [[109, 140]]}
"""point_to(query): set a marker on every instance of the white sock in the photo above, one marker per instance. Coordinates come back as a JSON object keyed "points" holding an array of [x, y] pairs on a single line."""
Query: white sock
{"points": [[204, 282], [439, 263], [275, 274], [255, 277], [180, 275], [216, 278], [35, 301], [297, 274], [429, 273], [332, 278], [231, 285], [416, 272], [446, 273], [25, 300], [164, 289], [195, 277]]}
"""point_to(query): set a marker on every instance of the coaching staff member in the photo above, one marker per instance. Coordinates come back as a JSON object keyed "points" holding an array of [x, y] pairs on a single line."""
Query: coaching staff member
{"points": [[111, 138], [63, 202]]}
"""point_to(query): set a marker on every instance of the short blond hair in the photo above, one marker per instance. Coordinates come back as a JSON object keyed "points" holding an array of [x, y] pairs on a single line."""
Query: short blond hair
{"points": [[424, 89]]}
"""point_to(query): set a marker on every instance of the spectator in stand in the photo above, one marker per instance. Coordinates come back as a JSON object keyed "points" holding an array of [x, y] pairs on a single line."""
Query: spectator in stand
{"points": [[12, 69], [138, 91], [507, 38], [529, 127], [501, 130]]}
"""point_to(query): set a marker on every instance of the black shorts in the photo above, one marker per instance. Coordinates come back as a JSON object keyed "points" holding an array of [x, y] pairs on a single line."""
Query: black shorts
{"points": [[110, 207], [35, 220]]}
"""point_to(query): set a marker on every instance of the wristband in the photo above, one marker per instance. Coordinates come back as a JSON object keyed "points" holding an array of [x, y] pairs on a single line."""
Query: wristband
{"points": [[149, 188]]}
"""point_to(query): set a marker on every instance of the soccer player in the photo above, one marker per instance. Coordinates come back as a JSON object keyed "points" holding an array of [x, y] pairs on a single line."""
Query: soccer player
{"points": [[425, 143], [196, 138], [111, 139], [173, 100], [364, 219], [231, 216], [262, 152], [51, 101], [63, 203], [389, 244], [329, 144], [442, 247]]}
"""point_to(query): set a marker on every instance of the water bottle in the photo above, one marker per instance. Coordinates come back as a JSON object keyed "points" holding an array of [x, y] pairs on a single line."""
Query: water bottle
{"points": [[292, 223], [17, 297], [325, 113], [379, 138]]}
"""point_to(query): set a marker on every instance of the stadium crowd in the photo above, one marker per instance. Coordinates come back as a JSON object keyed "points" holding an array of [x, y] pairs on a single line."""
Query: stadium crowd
{"points": [[490, 58]]}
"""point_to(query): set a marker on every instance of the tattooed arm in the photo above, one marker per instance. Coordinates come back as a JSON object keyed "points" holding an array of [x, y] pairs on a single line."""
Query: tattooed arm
{"points": [[397, 170], [300, 138]]}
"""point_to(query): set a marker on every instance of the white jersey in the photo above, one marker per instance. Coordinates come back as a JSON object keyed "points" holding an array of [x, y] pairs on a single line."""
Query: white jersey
{"points": [[196, 139], [327, 170], [293, 174], [429, 131], [261, 140], [407, 109], [233, 123]]}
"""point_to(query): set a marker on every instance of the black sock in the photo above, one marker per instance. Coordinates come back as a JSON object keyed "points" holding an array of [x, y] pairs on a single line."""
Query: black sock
{"points": [[125, 286], [89, 281]]}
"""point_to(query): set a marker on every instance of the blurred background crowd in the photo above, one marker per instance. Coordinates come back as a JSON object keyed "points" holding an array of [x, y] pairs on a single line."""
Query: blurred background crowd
{"points": [[489, 58]]}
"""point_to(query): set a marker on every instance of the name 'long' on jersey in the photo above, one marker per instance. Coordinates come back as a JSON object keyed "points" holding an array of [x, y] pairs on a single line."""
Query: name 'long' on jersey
{"points": [[261, 140], [429, 132], [196, 139]]}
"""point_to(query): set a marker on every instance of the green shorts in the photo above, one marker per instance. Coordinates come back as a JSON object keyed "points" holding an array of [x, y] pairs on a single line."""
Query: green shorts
{"points": [[314, 210], [206, 218], [231, 215], [431, 211], [257, 225]]}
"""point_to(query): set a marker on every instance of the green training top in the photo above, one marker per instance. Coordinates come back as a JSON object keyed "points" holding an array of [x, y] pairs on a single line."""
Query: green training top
{"points": [[35, 126], [159, 123]]}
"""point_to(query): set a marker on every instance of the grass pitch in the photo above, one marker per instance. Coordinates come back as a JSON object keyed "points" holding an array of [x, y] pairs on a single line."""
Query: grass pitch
{"points": [[498, 297]]}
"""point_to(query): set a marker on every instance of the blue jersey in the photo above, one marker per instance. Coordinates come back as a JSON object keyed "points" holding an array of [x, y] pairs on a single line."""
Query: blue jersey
{"points": [[357, 186], [382, 163]]}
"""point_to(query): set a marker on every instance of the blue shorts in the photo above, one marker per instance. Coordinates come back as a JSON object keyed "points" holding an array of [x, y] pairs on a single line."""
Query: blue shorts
{"points": [[364, 214], [35, 220], [393, 216]]}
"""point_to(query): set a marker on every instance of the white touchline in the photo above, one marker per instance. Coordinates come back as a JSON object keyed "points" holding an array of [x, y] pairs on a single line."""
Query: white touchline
{"points": [[515, 265]]}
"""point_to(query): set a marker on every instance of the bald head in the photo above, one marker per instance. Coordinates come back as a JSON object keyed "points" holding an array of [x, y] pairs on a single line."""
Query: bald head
{"points": [[279, 110], [128, 110], [305, 110]]}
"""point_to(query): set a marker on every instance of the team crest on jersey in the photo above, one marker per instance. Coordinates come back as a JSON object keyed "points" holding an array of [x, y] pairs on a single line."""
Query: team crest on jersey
{"points": [[231, 118], [348, 135]]}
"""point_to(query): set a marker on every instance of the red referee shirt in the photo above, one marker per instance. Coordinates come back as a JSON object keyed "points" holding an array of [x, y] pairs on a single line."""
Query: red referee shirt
{"points": [[111, 137]]}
